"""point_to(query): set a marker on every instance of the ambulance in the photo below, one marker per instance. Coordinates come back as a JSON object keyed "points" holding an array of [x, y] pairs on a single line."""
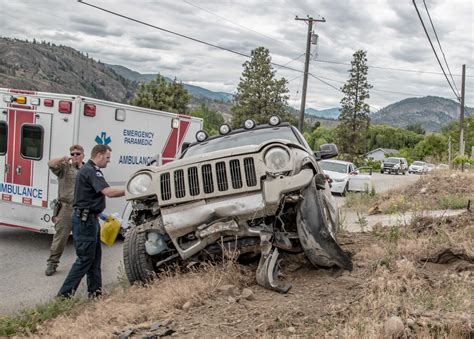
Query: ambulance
{"points": [[38, 126]]}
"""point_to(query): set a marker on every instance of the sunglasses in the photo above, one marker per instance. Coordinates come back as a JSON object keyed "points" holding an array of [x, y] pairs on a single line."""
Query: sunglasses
{"points": [[75, 154]]}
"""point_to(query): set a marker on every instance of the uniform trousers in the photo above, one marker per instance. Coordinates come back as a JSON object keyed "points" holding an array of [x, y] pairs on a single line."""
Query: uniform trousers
{"points": [[89, 255], [60, 238]]}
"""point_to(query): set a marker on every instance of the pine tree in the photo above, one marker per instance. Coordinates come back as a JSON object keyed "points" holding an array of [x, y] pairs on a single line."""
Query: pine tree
{"points": [[354, 118], [259, 95], [161, 95], [212, 118]]}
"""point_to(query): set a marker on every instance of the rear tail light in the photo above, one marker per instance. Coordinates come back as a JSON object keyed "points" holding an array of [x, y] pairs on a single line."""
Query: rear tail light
{"points": [[65, 107], [48, 102], [89, 110]]}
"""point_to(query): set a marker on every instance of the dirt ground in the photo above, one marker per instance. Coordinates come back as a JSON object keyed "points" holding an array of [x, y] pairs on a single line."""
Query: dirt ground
{"points": [[415, 281]]}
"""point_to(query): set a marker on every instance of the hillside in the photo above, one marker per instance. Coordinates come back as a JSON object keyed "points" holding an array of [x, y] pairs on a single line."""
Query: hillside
{"points": [[51, 68], [195, 91], [330, 113], [431, 112]]}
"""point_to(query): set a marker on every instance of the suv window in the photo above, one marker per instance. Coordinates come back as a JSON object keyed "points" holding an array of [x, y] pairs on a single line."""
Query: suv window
{"points": [[245, 138]]}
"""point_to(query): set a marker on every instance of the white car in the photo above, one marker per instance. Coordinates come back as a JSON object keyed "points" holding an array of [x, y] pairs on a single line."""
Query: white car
{"points": [[430, 167], [346, 177], [418, 167]]}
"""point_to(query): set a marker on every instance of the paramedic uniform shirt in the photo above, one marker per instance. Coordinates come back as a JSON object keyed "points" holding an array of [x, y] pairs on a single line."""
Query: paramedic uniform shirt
{"points": [[89, 183]]}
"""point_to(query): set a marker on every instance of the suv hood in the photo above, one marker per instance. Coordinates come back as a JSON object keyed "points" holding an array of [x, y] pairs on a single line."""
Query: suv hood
{"points": [[225, 153]]}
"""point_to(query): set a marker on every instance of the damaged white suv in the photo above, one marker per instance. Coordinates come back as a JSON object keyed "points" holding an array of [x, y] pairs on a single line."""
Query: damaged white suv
{"points": [[257, 189]]}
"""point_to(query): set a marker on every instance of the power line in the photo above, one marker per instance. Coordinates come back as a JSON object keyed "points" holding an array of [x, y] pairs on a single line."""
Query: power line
{"points": [[294, 59], [441, 49], [230, 21], [182, 35], [389, 68], [434, 51]]}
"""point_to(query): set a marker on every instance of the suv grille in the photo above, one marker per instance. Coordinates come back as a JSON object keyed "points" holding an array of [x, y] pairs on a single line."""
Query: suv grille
{"points": [[218, 178]]}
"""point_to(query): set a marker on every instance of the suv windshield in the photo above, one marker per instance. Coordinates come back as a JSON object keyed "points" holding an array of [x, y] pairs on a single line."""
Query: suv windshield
{"points": [[418, 163], [392, 160], [246, 138], [333, 166]]}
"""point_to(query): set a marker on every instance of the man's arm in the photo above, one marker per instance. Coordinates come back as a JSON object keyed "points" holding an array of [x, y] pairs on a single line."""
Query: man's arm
{"points": [[55, 162], [113, 192]]}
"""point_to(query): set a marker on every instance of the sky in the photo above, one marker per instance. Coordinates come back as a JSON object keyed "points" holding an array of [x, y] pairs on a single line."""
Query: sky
{"points": [[389, 30]]}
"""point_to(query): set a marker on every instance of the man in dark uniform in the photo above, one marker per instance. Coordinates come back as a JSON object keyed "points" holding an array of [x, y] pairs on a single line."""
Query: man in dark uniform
{"points": [[89, 200]]}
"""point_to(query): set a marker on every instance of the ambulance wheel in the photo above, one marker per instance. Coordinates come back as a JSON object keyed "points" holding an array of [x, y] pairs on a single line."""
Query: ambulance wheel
{"points": [[138, 264]]}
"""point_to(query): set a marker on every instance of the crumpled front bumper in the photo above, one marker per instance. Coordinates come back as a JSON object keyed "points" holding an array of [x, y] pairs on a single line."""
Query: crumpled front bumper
{"points": [[209, 219]]}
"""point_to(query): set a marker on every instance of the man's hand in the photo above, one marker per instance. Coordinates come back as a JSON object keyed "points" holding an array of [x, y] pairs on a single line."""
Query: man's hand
{"points": [[113, 192]]}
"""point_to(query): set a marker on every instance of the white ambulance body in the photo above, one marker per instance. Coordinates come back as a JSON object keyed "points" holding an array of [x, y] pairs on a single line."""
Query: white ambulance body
{"points": [[36, 127]]}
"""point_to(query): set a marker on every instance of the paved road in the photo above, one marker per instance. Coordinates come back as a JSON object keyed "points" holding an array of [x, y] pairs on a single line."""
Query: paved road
{"points": [[23, 262], [23, 259]]}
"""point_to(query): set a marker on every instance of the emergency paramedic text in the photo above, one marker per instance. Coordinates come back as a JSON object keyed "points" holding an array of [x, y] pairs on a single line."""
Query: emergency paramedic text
{"points": [[137, 137]]}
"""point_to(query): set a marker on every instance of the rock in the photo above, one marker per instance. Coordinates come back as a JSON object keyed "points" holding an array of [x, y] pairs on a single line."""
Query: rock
{"points": [[423, 190], [127, 333], [231, 299], [291, 329], [410, 322], [393, 327], [248, 294], [374, 210], [187, 305], [228, 290]]}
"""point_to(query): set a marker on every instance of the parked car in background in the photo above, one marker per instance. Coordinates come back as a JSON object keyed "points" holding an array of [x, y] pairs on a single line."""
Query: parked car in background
{"points": [[394, 165], [442, 167], [418, 167], [346, 177], [430, 167]]}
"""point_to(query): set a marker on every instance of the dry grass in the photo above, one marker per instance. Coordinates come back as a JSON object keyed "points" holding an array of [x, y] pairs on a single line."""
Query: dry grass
{"points": [[435, 298], [434, 191], [141, 306]]}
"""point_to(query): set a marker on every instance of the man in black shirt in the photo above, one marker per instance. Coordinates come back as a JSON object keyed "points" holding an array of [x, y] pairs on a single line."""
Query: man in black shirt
{"points": [[89, 200]]}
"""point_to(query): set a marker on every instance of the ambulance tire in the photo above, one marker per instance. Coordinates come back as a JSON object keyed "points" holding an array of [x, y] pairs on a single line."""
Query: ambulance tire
{"points": [[138, 264]]}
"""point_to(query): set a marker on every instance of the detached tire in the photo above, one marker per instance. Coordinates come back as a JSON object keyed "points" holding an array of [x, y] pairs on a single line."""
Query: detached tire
{"points": [[317, 230], [138, 264]]}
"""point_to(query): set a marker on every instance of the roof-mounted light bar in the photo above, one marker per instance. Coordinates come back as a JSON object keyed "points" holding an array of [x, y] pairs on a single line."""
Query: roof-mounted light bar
{"points": [[249, 124], [274, 120], [201, 136], [224, 129]]}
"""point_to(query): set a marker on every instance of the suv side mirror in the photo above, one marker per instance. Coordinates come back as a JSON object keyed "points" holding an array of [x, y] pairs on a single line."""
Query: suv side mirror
{"points": [[326, 151]]}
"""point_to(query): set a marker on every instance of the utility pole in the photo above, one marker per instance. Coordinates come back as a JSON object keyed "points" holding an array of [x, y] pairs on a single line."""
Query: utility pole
{"points": [[309, 21], [461, 116]]}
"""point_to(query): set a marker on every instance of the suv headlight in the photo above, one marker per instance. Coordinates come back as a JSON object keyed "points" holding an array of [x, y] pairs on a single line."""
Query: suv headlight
{"points": [[139, 184], [277, 158]]}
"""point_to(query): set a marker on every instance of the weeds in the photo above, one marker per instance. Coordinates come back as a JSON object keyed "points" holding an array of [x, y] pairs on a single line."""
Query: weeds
{"points": [[26, 321], [452, 202], [360, 201]]}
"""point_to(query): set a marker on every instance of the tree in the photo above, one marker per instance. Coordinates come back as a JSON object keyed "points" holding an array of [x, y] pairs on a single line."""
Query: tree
{"points": [[354, 118], [212, 118], [259, 95], [416, 127], [162, 95]]}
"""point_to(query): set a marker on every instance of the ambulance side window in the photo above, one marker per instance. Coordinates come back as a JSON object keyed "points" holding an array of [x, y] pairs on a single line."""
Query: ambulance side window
{"points": [[3, 137], [32, 141]]}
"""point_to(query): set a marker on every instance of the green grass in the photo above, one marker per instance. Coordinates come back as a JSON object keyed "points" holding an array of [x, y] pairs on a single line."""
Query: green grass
{"points": [[451, 201], [25, 322]]}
